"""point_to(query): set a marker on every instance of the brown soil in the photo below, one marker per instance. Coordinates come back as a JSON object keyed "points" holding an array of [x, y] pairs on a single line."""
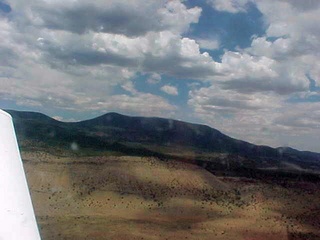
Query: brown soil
{"points": [[144, 198]]}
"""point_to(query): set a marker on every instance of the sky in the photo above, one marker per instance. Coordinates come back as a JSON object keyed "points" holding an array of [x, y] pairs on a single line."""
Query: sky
{"points": [[249, 68]]}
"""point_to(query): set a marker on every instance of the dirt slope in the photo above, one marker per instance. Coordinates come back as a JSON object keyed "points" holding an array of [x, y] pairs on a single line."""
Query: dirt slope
{"points": [[144, 198]]}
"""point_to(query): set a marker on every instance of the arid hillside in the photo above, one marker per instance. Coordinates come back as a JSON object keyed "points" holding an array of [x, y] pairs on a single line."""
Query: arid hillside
{"points": [[156, 137], [123, 197]]}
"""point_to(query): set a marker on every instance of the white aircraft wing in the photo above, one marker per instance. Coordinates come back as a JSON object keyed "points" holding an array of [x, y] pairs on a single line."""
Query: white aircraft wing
{"points": [[17, 219]]}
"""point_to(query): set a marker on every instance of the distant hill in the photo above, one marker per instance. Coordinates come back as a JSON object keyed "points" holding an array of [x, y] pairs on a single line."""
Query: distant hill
{"points": [[154, 137]]}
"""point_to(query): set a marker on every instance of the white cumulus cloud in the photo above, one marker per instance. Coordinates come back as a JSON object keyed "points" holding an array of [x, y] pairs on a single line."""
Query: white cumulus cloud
{"points": [[171, 90], [232, 6], [209, 44]]}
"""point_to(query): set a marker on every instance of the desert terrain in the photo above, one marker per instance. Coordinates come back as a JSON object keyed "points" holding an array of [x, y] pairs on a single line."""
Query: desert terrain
{"points": [[126, 197]]}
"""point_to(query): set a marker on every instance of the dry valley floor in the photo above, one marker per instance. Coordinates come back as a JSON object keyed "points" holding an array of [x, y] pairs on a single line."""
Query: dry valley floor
{"points": [[111, 197]]}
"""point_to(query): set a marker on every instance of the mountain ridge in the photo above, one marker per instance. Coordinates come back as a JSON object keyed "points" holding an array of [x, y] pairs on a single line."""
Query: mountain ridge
{"points": [[146, 135]]}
